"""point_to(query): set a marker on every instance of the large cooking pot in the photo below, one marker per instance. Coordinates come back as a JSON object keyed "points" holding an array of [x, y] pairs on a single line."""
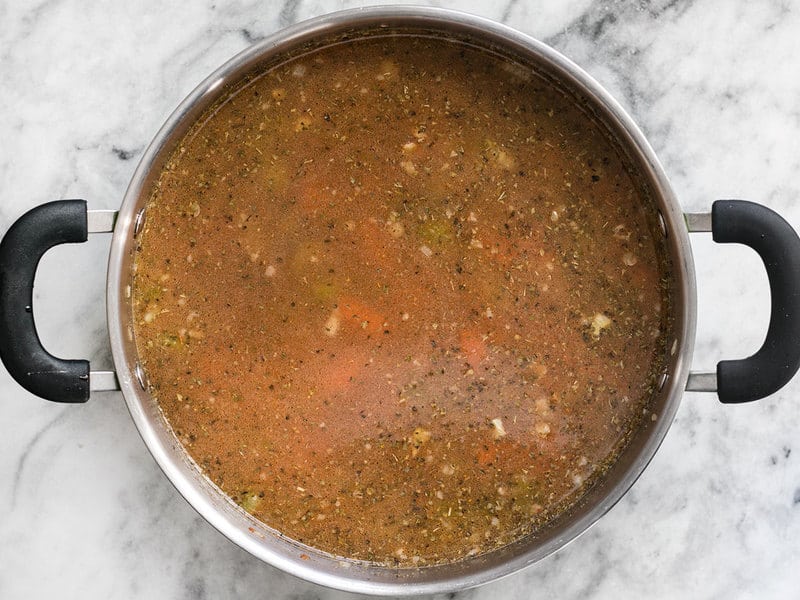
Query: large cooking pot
{"points": [[69, 221]]}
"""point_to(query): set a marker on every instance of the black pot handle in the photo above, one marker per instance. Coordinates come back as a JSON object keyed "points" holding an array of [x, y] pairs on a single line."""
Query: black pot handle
{"points": [[33, 234], [778, 359]]}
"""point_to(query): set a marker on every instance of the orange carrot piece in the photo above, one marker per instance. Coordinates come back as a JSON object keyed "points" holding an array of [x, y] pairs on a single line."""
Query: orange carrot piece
{"points": [[309, 193], [487, 454], [500, 248], [358, 316], [505, 251], [472, 347]]}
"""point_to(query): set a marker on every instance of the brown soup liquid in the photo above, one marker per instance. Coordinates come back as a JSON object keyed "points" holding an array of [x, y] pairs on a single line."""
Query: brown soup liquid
{"points": [[401, 299]]}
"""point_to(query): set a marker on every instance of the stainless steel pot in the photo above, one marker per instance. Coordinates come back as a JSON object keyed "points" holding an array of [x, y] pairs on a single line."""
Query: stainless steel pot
{"points": [[71, 381]]}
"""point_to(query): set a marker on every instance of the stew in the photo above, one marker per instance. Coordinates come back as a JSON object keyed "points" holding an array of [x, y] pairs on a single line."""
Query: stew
{"points": [[401, 298]]}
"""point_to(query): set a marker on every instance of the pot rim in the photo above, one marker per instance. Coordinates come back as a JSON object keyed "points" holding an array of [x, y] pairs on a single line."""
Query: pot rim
{"points": [[203, 496]]}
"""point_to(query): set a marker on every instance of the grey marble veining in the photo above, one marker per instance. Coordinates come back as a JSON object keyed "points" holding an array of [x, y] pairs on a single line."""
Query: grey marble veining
{"points": [[86, 512]]}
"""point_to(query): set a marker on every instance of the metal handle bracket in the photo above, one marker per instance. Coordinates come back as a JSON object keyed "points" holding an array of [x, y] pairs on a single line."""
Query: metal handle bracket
{"points": [[101, 221], [103, 381]]}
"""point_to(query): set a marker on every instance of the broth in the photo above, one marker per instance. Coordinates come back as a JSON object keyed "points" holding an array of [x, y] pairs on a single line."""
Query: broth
{"points": [[400, 298]]}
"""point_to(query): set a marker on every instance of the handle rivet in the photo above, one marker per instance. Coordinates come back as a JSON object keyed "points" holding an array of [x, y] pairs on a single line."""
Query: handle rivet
{"points": [[138, 223], [662, 381], [139, 374], [662, 224]]}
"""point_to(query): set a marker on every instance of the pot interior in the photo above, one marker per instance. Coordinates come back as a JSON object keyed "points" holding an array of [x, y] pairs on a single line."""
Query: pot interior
{"points": [[216, 506]]}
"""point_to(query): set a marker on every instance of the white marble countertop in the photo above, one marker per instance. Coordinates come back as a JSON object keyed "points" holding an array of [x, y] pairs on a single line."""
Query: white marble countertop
{"points": [[86, 513]]}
